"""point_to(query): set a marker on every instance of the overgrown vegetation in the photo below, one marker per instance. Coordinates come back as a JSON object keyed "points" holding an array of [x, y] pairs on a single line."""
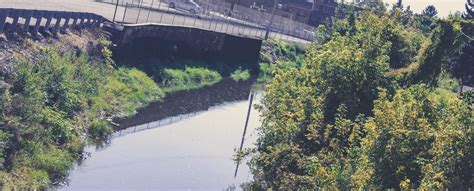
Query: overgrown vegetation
{"points": [[279, 55], [373, 106], [185, 70], [240, 74], [189, 78], [51, 105]]}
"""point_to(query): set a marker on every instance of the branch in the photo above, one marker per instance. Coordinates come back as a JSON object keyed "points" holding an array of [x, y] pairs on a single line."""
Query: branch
{"points": [[468, 37]]}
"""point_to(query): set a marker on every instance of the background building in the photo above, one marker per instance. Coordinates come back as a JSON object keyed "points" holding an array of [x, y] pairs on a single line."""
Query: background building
{"points": [[311, 12]]}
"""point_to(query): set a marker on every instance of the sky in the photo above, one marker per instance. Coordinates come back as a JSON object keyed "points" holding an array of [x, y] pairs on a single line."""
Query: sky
{"points": [[444, 7]]}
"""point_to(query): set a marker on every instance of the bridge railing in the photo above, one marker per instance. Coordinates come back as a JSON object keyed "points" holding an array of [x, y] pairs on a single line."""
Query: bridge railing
{"points": [[215, 16], [53, 21]]}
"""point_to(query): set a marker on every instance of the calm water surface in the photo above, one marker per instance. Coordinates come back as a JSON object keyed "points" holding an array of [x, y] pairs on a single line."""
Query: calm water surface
{"points": [[193, 153]]}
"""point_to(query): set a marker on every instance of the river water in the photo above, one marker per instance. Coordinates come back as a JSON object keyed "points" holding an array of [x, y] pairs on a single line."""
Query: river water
{"points": [[191, 151]]}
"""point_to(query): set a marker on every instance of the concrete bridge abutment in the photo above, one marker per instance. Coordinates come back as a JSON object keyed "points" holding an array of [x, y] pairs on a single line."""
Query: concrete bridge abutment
{"points": [[150, 40]]}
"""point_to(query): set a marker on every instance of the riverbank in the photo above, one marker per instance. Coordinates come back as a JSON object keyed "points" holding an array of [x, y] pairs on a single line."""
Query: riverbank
{"points": [[56, 96]]}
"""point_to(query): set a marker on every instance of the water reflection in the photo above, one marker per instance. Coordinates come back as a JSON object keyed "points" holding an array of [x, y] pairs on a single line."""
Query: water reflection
{"points": [[194, 153], [190, 102]]}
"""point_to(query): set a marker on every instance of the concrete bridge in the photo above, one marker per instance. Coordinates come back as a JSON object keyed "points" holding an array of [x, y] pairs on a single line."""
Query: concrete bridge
{"points": [[155, 31], [145, 40], [143, 14], [134, 40]]}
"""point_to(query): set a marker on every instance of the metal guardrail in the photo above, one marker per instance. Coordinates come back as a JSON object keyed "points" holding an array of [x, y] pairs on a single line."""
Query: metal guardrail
{"points": [[52, 21]]}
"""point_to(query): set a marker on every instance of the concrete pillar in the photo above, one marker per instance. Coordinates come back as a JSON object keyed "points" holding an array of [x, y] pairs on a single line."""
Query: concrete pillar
{"points": [[93, 20], [89, 19], [57, 25], [83, 17], [96, 21], [3, 18], [15, 14], [27, 15], [67, 17], [49, 17], [100, 19], [39, 17], [74, 21]]}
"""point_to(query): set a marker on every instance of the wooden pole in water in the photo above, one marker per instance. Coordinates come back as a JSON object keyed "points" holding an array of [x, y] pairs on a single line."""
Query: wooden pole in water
{"points": [[245, 131]]}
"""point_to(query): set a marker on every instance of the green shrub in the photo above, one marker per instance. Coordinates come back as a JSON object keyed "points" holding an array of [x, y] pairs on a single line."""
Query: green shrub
{"points": [[58, 128], [41, 178], [430, 141], [99, 129], [55, 161], [447, 82], [278, 54], [240, 74], [4, 143], [468, 97]]}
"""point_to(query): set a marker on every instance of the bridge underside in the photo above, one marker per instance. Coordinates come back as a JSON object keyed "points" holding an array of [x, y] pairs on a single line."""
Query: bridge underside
{"points": [[164, 40]]}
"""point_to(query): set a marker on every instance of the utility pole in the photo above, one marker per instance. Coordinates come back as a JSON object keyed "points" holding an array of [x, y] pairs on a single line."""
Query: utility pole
{"points": [[115, 13], [271, 19]]}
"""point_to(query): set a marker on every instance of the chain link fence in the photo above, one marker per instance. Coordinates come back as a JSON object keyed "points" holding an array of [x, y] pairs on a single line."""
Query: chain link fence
{"points": [[215, 15]]}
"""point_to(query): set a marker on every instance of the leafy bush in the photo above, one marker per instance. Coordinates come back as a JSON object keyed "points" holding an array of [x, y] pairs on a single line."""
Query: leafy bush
{"points": [[56, 162], [429, 139], [4, 144], [468, 97], [240, 74], [99, 129]]}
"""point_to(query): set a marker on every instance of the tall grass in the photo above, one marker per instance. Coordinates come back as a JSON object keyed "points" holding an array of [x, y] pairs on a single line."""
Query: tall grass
{"points": [[240, 74], [189, 78]]}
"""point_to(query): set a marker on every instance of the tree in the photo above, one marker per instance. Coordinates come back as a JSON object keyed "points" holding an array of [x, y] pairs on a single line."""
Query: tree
{"points": [[430, 11], [376, 5], [420, 139], [469, 15], [327, 125]]}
